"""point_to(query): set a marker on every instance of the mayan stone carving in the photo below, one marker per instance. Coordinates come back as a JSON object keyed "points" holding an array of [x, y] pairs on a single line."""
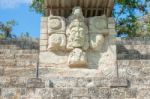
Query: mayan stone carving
{"points": [[78, 41]]}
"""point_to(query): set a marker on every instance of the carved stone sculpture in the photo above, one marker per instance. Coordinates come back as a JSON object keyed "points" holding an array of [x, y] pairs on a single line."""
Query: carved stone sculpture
{"points": [[56, 24], [57, 42], [77, 58], [77, 32]]}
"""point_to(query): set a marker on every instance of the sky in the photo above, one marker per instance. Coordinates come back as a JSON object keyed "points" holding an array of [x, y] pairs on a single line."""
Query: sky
{"points": [[18, 10]]}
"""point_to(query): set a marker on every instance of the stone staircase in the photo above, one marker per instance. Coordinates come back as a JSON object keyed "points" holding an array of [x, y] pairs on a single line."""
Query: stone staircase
{"points": [[18, 79]]}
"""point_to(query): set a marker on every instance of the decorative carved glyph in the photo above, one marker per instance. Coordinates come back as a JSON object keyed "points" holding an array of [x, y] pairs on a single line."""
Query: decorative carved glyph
{"points": [[56, 25], [57, 42]]}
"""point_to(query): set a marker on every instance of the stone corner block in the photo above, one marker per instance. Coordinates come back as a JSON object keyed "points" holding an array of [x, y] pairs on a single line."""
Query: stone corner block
{"points": [[119, 82], [35, 83]]}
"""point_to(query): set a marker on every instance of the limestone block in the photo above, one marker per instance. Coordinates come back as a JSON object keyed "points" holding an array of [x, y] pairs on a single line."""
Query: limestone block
{"points": [[57, 42], [144, 94], [96, 41], [104, 93], [46, 93], [112, 31], [1, 71], [63, 82], [22, 72], [131, 93], [12, 82], [43, 36], [117, 93], [84, 82], [56, 24], [53, 59], [35, 83], [43, 30], [61, 93], [111, 20], [80, 92], [11, 93], [43, 48], [111, 26], [77, 58], [96, 24], [119, 82], [93, 91], [43, 42], [44, 19]]}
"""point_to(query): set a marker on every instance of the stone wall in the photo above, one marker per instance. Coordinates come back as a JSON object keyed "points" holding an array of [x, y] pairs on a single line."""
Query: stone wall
{"points": [[18, 72]]}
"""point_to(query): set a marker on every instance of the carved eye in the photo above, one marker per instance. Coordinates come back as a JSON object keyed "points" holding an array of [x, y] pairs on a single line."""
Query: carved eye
{"points": [[55, 23]]}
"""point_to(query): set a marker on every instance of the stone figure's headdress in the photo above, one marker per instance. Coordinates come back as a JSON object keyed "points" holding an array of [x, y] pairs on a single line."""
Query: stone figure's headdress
{"points": [[77, 20]]}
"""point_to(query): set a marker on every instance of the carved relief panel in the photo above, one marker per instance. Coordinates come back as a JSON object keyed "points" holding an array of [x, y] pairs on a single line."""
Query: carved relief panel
{"points": [[76, 36]]}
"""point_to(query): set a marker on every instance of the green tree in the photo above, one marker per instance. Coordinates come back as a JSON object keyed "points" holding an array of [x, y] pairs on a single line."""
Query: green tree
{"points": [[126, 17], [6, 28]]}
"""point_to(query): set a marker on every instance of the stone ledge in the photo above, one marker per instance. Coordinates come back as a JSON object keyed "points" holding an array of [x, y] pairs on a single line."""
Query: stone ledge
{"points": [[35, 83], [119, 82]]}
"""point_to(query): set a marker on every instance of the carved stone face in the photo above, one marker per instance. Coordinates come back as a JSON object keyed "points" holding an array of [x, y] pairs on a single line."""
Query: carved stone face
{"points": [[77, 36], [77, 32]]}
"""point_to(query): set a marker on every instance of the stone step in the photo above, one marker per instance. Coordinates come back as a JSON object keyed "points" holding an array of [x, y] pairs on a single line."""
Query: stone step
{"points": [[73, 93]]}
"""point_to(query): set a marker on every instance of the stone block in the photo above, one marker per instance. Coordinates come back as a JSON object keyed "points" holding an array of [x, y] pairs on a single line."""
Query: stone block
{"points": [[101, 82], [61, 93], [43, 42], [112, 32], [21, 72], [46, 93], [84, 82], [93, 92], [44, 19], [43, 31], [111, 20], [119, 82], [43, 48], [16, 82], [1, 71], [35, 83], [131, 93], [80, 92], [144, 94], [117, 93], [104, 93], [64, 82], [11, 93], [43, 36], [111, 26]]}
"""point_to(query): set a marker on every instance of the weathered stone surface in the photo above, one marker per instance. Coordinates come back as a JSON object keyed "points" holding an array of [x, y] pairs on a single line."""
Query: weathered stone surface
{"points": [[63, 82], [57, 42], [77, 58], [35, 83], [11, 93], [131, 93], [60, 93], [80, 92], [97, 23], [96, 42], [117, 93], [1, 71], [119, 82], [43, 42], [56, 24], [144, 94], [22, 72], [43, 48], [104, 93]]}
